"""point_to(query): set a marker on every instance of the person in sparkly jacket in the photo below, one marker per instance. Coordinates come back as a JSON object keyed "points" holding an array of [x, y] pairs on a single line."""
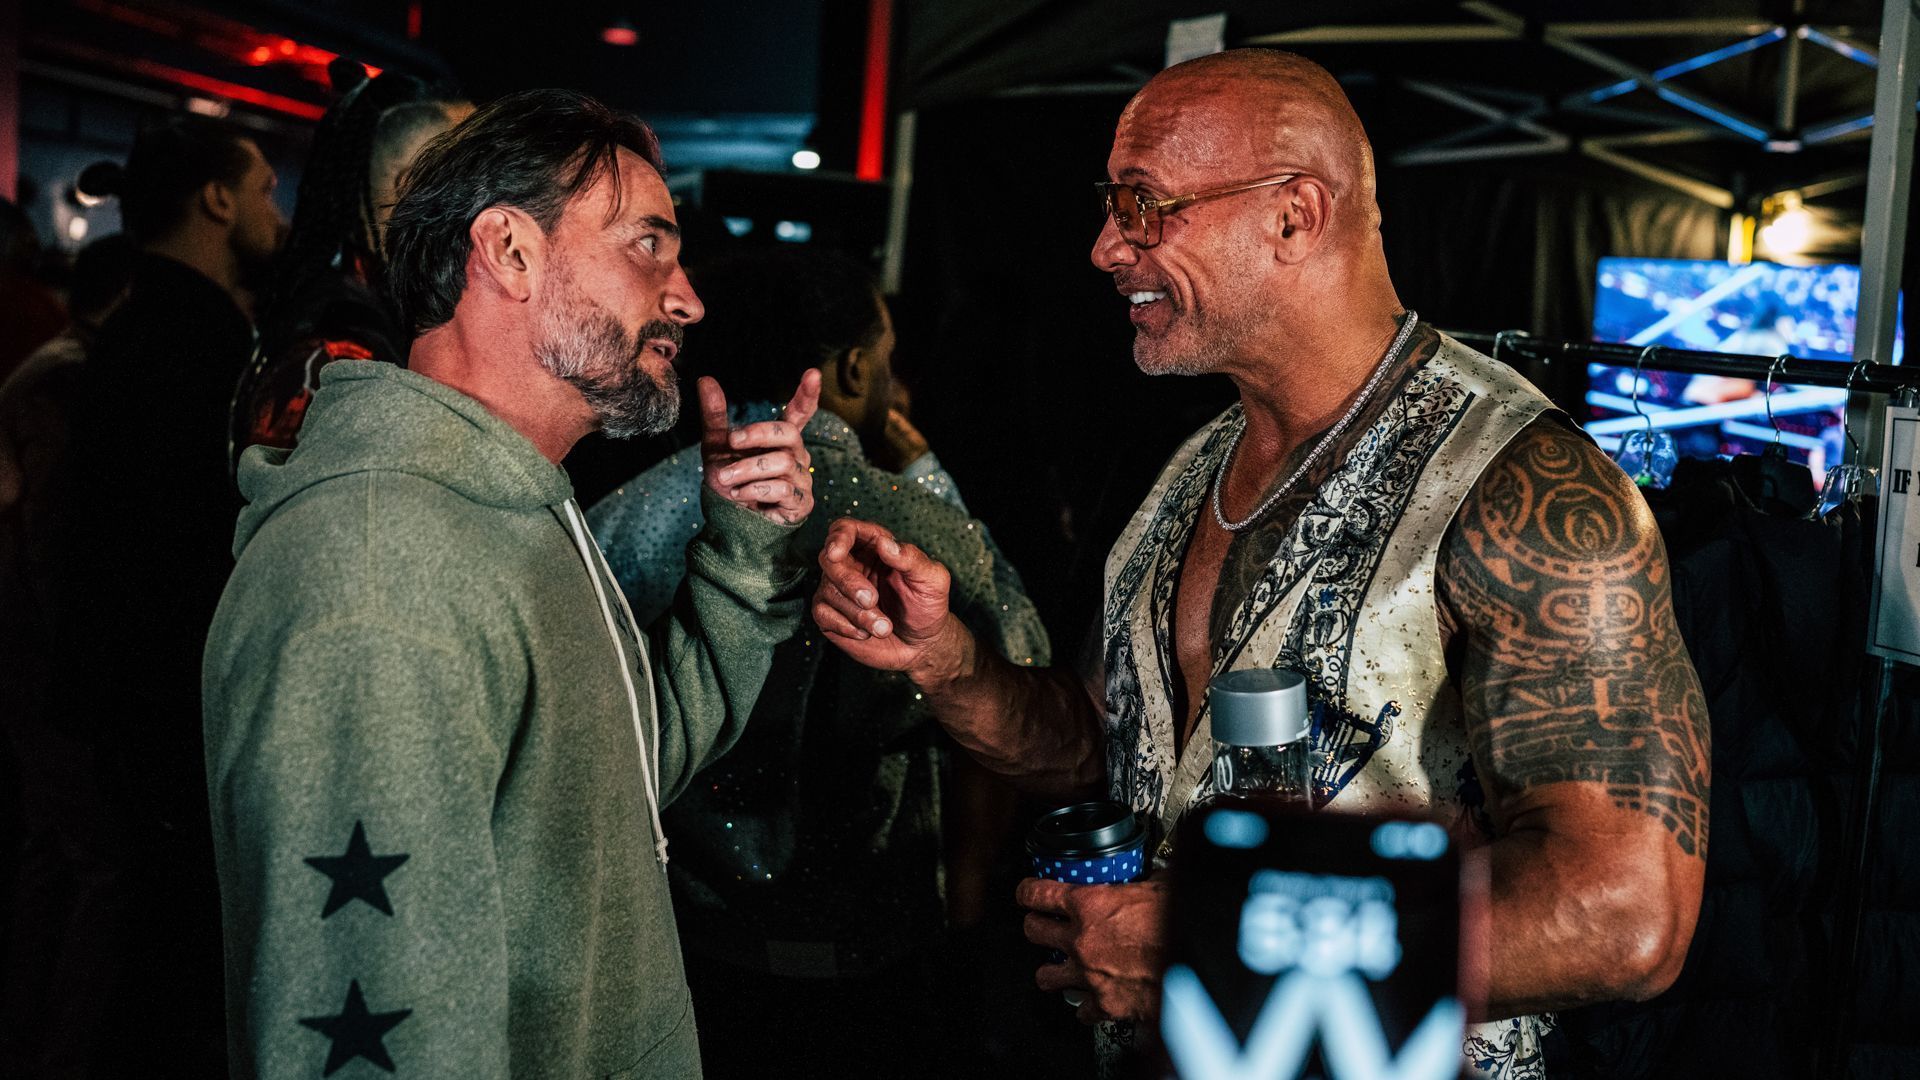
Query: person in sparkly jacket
{"points": [[818, 867]]}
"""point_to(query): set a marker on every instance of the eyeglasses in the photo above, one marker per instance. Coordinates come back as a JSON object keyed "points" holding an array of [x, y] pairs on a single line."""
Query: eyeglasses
{"points": [[1139, 216]]}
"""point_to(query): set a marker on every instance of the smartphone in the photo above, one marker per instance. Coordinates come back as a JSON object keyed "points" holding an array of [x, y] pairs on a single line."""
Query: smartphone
{"points": [[1312, 945]]}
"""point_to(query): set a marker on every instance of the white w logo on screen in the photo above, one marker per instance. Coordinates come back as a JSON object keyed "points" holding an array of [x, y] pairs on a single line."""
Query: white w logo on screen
{"points": [[1301, 1006]]}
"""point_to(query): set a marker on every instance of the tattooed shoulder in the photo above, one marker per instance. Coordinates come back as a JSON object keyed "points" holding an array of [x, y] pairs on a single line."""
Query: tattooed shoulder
{"points": [[1572, 667]]}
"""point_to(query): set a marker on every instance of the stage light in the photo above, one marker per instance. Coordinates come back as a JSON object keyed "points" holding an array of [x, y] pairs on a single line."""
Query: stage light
{"points": [[1740, 240], [1790, 231], [76, 228], [806, 159], [620, 32], [79, 198]]}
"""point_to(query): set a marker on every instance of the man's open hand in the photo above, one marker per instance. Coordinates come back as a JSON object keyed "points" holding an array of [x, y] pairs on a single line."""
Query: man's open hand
{"points": [[883, 602]]}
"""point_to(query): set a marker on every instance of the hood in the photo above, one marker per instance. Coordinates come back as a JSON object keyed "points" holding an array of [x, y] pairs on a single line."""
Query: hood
{"points": [[373, 417]]}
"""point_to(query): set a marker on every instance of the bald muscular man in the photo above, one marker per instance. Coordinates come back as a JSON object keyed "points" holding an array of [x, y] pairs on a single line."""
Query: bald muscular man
{"points": [[1477, 596]]}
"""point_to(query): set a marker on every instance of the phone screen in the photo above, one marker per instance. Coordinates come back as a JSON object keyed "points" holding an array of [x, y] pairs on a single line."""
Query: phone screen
{"points": [[1312, 945]]}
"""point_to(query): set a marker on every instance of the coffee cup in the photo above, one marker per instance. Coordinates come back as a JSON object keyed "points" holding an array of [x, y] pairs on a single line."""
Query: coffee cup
{"points": [[1089, 843]]}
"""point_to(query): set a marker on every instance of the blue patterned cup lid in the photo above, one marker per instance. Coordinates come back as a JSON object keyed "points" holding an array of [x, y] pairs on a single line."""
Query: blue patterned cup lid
{"points": [[1088, 830], [1257, 707]]}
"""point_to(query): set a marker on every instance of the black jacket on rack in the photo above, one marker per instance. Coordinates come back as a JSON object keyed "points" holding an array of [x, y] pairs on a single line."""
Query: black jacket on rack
{"points": [[1884, 1039], [1773, 610]]}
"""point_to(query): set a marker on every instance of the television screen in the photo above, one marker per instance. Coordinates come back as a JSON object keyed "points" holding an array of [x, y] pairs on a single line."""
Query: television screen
{"points": [[1762, 309]]}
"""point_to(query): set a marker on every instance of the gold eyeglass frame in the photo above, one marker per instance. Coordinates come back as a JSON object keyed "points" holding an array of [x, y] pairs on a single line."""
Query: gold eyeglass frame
{"points": [[1150, 210]]}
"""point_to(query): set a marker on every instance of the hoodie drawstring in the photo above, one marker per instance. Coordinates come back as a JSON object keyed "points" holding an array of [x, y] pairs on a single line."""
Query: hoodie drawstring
{"points": [[649, 761]]}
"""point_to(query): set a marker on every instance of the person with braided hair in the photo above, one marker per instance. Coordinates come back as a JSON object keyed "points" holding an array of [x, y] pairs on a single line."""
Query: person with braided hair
{"points": [[325, 302]]}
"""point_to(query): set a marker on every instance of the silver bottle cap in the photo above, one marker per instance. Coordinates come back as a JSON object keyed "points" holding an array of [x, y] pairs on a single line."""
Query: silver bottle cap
{"points": [[1258, 707]]}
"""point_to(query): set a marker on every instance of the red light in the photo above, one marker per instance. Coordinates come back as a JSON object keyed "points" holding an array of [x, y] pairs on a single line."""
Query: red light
{"points": [[871, 162], [620, 34], [218, 88], [195, 81], [260, 55], [287, 47]]}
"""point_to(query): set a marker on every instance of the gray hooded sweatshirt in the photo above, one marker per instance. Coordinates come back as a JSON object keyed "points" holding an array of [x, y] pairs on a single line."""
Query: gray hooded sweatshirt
{"points": [[437, 749]]}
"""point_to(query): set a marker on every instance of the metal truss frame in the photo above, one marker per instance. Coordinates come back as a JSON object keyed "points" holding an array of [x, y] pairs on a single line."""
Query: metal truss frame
{"points": [[1883, 233], [1502, 111]]}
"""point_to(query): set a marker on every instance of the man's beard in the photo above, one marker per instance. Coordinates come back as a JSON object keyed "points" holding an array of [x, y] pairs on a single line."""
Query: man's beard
{"points": [[582, 343], [1203, 346]]}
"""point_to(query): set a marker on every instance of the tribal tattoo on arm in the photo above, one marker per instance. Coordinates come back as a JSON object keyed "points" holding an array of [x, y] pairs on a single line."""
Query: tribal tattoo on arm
{"points": [[1572, 667]]}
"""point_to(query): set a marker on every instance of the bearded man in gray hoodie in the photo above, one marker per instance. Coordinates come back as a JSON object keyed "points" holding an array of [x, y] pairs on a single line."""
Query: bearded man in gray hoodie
{"points": [[437, 742]]}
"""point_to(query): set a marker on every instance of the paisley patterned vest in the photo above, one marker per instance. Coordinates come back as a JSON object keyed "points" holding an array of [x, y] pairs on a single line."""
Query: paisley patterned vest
{"points": [[1349, 601]]}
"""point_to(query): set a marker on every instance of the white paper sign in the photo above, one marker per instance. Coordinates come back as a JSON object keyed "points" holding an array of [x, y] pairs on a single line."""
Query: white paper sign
{"points": [[1896, 590], [1189, 39]]}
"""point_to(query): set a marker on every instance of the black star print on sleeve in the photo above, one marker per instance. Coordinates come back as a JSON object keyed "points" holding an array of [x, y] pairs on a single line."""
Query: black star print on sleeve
{"points": [[357, 875], [356, 1032]]}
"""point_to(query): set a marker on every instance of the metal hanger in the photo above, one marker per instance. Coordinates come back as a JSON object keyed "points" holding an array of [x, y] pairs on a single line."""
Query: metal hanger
{"points": [[1849, 480], [1779, 364], [1647, 456], [1500, 340], [1770, 481]]}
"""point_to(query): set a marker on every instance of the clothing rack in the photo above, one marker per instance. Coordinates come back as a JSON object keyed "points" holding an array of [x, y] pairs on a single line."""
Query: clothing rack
{"points": [[1513, 345], [1863, 818]]}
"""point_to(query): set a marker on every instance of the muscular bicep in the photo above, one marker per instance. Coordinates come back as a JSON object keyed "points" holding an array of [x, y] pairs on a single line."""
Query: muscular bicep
{"points": [[1570, 662]]}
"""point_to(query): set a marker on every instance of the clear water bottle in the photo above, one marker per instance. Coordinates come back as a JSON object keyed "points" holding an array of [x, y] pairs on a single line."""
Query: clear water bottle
{"points": [[1260, 723]]}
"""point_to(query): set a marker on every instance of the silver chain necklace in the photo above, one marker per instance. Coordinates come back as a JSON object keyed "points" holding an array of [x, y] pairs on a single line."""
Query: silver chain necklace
{"points": [[1333, 433]]}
